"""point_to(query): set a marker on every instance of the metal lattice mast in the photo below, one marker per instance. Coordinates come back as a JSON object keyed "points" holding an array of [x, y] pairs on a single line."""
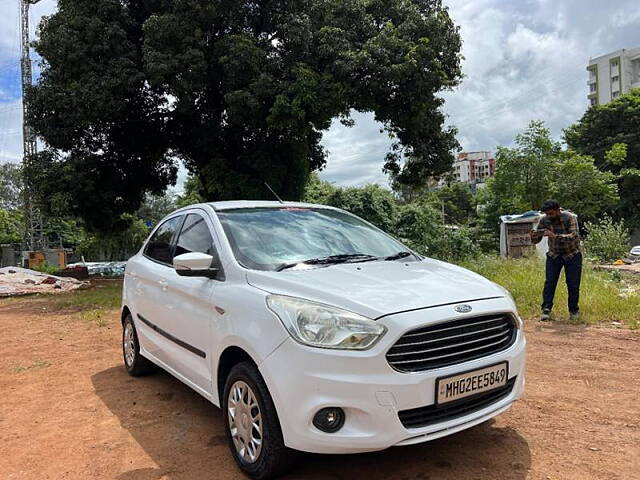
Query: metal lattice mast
{"points": [[34, 231]]}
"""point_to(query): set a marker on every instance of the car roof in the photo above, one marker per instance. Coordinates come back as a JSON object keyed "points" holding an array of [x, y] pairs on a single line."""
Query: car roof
{"points": [[235, 204]]}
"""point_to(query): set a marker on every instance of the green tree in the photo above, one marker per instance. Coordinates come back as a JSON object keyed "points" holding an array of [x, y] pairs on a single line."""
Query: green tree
{"points": [[11, 226], [371, 202], [192, 192], [238, 90], [537, 169], [10, 186], [156, 207], [603, 126], [65, 232], [317, 190], [524, 173], [600, 133], [455, 200], [420, 227], [115, 246], [581, 187]]}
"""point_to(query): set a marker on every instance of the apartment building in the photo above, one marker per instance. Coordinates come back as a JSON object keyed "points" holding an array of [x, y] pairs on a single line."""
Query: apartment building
{"points": [[613, 74], [473, 168]]}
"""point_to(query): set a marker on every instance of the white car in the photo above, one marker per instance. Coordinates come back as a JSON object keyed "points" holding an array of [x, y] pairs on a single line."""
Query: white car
{"points": [[313, 330]]}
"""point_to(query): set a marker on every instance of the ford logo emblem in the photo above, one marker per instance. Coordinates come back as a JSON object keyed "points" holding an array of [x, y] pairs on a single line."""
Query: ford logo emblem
{"points": [[463, 308]]}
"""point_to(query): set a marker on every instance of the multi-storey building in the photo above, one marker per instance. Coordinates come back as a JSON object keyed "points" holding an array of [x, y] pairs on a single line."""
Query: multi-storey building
{"points": [[613, 74], [474, 168]]}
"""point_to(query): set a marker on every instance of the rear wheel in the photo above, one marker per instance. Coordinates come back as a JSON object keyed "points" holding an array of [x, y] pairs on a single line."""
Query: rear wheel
{"points": [[135, 363], [252, 425]]}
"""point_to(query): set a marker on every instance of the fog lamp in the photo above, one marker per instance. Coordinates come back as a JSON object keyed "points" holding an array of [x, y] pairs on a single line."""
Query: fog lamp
{"points": [[329, 420]]}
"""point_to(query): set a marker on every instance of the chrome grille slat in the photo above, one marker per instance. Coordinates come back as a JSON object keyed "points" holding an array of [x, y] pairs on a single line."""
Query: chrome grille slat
{"points": [[447, 338], [450, 354], [483, 339], [487, 335], [450, 328]]}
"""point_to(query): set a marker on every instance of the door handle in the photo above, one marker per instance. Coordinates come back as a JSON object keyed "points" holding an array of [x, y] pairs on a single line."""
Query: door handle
{"points": [[132, 274], [164, 285]]}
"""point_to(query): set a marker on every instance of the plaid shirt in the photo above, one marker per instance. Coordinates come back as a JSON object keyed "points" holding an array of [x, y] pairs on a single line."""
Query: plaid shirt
{"points": [[566, 243]]}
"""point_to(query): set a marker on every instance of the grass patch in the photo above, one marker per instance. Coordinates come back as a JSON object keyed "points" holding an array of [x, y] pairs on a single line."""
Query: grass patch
{"points": [[35, 365], [104, 295], [604, 296], [97, 316]]}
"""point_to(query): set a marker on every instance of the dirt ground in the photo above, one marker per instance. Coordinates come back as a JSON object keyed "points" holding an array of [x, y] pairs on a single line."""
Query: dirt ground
{"points": [[68, 410]]}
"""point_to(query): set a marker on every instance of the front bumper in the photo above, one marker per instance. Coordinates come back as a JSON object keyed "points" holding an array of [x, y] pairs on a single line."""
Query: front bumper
{"points": [[302, 380]]}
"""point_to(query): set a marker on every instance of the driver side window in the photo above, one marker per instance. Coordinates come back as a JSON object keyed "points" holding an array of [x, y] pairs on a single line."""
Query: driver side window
{"points": [[159, 246], [195, 236]]}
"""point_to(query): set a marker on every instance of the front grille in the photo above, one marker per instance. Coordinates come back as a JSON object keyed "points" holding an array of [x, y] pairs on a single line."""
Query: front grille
{"points": [[423, 416], [452, 342]]}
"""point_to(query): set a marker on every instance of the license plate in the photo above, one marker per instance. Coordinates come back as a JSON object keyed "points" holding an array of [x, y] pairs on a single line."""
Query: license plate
{"points": [[466, 384]]}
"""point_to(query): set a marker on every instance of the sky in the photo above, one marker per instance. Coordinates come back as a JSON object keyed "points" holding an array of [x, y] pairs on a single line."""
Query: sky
{"points": [[524, 60]]}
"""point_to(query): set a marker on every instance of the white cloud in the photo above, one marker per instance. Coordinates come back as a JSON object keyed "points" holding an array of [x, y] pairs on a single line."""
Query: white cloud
{"points": [[524, 60], [356, 154], [11, 131]]}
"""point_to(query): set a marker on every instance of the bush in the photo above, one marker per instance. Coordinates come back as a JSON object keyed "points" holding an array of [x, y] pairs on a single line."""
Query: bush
{"points": [[371, 202], [417, 224], [47, 268], [119, 245], [607, 240], [420, 227]]}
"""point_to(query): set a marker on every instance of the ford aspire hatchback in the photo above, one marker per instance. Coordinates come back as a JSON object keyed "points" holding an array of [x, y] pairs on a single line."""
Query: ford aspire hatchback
{"points": [[313, 330]]}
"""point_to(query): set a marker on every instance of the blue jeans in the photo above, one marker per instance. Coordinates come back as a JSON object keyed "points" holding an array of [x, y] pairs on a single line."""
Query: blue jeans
{"points": [[572, 273]]}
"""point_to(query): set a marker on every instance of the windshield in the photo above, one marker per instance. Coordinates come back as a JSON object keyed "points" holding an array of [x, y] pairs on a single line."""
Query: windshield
{"points": [[269, 238]]}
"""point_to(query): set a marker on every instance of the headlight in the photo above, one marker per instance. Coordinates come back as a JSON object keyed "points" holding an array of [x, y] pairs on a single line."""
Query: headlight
{"points": [[323, 326]]}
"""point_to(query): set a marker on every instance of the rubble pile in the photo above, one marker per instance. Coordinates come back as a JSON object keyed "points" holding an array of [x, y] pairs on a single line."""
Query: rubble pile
{"points": [[16, 281]]}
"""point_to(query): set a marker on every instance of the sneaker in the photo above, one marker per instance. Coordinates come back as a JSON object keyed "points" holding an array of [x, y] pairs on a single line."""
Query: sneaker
{"points": [[574, 317], [545, 316]]}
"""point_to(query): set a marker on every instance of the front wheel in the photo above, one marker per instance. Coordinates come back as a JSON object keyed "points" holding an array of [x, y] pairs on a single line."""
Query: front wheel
{"points": [[135, 363], [252, 425]]}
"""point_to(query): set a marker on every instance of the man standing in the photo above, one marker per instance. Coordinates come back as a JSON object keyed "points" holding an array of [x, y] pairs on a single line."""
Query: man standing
{"points": [[561, 229]]}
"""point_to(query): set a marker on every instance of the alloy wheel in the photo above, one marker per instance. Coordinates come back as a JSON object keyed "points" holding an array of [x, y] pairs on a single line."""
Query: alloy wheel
{"points": [[245, 421], [129, 344]]}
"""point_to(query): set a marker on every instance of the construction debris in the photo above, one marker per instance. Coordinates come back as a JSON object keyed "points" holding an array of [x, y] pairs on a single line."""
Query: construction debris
{"points": [[97, 269], [15, 281], [630, 268]]}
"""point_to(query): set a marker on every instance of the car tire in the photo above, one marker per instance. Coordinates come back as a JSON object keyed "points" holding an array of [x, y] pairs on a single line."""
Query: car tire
{"points": [[135, 363], [246, 396]]}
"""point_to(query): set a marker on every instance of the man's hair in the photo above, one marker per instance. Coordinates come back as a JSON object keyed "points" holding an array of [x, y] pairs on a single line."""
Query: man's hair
{"points": [[549, 205]]}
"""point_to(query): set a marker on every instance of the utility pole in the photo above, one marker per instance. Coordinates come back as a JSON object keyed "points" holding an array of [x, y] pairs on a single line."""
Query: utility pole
{"points": [[34, 238]]}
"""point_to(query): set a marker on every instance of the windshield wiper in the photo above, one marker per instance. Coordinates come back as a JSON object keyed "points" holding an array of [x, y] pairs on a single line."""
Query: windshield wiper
{"points": [[331, 259], [398, 256]]}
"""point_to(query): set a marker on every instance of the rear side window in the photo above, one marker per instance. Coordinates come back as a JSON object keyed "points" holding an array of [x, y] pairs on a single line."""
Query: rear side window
{"points": [[159, 246], [195, 237]]}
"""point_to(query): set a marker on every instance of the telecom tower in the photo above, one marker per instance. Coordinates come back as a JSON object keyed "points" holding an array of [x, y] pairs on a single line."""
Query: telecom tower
{"points": [[34, 238]]}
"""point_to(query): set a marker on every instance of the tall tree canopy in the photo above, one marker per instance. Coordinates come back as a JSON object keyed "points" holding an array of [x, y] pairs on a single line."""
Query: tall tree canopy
{"points": [[536, 169], [610, 133], [240, 90], [524, 173], [603, 126]]}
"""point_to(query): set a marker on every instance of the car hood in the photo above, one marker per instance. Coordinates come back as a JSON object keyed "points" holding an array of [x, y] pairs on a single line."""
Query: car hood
{"points": [[379, 288]]}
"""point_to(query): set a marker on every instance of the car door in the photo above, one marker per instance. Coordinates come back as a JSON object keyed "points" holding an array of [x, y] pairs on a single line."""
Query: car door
{"points": [[187, 313], [150, 272]]}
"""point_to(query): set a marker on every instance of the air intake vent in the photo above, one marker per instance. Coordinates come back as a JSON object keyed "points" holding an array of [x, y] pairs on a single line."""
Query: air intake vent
{"points": [[424, 416], [453, 342]]}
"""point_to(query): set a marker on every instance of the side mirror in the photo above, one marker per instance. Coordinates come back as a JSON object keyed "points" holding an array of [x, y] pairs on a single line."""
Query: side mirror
{"points": [[195, 264]]}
